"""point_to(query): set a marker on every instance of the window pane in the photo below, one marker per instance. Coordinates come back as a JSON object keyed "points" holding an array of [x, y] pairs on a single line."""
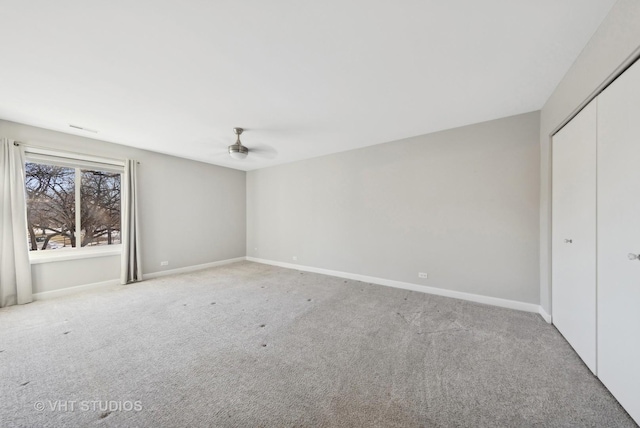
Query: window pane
{"points": [[100, 208], [51, 212]]}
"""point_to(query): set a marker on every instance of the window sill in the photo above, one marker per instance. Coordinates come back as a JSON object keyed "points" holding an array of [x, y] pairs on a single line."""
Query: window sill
{"points": [[48, 256]]}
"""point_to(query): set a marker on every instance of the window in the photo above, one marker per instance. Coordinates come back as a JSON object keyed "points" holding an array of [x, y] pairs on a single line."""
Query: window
{"points": [[71, 203]]}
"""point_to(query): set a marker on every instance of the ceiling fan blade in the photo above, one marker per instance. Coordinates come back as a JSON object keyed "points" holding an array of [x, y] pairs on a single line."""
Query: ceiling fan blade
{"points": [[263, 151], [220, 154]]}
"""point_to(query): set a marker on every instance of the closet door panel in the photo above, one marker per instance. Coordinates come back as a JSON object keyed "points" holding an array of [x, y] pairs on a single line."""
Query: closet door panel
{"points": [[619, 239], [574, 234]]}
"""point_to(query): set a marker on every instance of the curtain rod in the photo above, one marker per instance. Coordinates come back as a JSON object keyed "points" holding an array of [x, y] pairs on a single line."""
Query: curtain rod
{"points": [[19, 143]]}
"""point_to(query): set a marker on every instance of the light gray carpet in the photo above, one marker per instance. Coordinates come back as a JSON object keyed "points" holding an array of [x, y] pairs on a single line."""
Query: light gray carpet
{"points": [[249, 345]]}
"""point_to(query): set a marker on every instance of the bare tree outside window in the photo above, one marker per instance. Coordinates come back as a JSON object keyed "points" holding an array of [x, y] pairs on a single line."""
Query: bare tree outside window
{"points": [[52, 205], [100, 208]]}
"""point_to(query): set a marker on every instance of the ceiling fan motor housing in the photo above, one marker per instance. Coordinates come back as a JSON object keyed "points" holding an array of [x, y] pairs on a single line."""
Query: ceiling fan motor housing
{"points": [[237, 150]]}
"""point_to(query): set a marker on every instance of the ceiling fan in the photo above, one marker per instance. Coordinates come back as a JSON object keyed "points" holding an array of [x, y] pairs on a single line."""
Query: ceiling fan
{"points": [[240, 151], [237, 150]]}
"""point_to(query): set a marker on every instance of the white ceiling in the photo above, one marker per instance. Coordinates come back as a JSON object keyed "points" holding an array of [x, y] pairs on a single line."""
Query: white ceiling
{"points": [[305, 78]]}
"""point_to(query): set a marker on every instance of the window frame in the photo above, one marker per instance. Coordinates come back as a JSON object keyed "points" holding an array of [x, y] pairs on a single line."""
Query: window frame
{"points": [[78, 162]]}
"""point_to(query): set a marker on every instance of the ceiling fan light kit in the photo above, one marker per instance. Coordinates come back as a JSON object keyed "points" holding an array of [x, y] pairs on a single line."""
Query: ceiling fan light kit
{"points": [[237, 150]]}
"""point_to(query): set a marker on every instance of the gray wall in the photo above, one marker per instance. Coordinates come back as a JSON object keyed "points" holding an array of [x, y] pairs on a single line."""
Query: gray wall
{"points": [[68, 273], [617, 37], [460, 205], [191, 212]]}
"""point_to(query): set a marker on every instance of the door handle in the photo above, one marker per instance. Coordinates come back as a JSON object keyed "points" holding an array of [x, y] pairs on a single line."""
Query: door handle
{"points": [[568, 241], [633, 256]]}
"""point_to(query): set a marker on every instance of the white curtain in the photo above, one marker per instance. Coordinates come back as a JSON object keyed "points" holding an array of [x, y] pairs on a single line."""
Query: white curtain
{"points": [[15, 270], [131, 270]]}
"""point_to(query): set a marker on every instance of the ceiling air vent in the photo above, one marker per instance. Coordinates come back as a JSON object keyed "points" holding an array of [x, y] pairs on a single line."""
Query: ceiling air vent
{"points": [[82, 128]]}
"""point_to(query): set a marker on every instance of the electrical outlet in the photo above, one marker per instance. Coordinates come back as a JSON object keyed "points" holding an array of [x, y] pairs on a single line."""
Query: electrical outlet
{"points": [[422, 275], [165, 263], [295, 258]]}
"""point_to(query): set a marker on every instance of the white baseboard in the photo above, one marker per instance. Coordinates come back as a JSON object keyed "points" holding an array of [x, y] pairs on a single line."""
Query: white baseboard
{"points": [[544, 314], [191, 268], [495, 301], [46, 295]]}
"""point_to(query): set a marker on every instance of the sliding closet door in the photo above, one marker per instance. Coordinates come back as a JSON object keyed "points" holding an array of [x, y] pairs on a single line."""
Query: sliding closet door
{"points": [[574, 234], [619, 239]]}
